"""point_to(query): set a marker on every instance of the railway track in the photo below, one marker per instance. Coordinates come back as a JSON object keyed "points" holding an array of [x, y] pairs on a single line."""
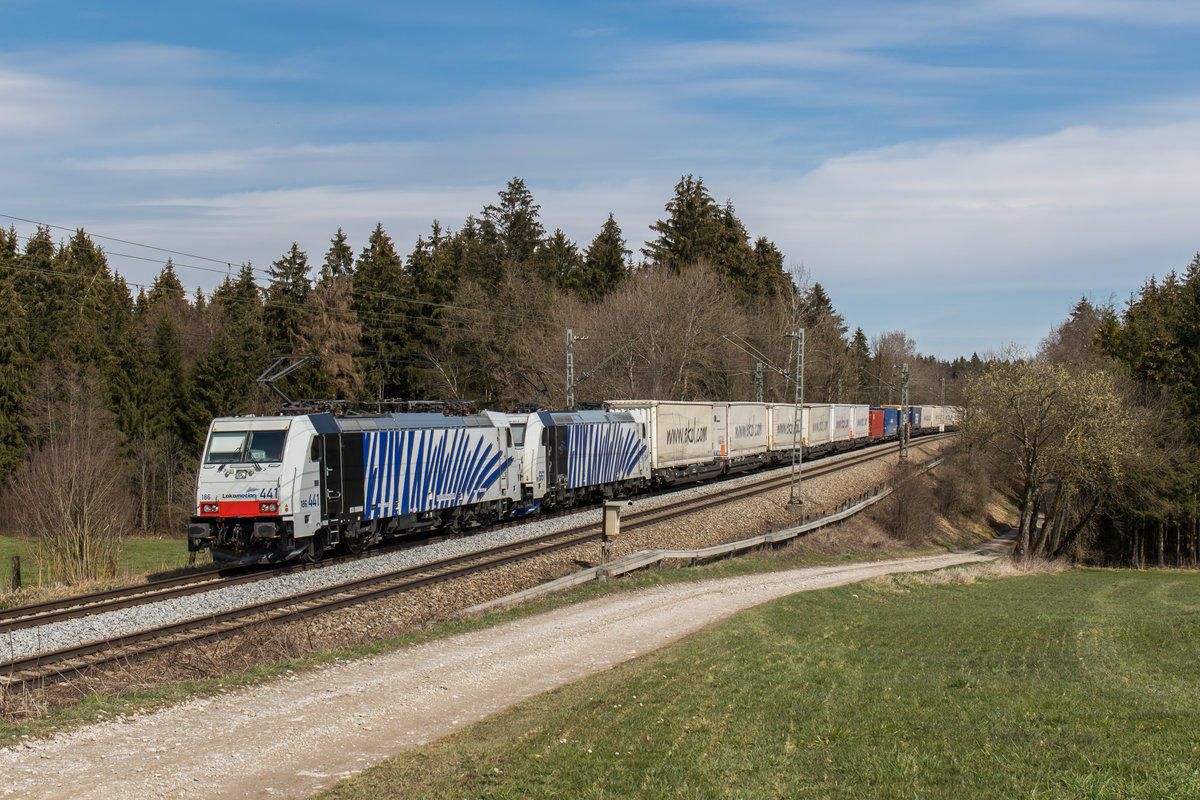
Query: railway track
{"points": [[77, 659]]}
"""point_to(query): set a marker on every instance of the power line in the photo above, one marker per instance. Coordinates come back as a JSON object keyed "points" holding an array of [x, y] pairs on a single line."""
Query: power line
{"points": [[226, 262], [360, 315]]}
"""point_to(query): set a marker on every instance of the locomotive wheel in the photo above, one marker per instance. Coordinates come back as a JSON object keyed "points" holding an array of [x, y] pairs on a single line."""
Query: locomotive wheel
{"points": [[354, 542], [453, 524], [316, 547]]}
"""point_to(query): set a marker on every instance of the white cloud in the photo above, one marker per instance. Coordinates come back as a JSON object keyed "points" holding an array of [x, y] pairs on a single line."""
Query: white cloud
{"points": [[1084, 207]]}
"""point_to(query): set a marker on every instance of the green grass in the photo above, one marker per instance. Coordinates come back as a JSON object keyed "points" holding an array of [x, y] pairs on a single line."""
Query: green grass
{"points": [[1082, 684], [139, 558]]}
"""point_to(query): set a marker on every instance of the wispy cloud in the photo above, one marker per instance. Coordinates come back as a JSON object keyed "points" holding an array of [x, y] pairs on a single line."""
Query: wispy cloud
{"points": [[1082, 207]]}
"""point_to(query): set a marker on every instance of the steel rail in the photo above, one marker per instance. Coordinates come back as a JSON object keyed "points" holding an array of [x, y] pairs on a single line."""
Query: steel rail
{"points": [[198, 629]]}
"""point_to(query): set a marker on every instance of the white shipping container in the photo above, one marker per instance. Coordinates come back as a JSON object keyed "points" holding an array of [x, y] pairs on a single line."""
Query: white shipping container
{"points": [[819, 424], [927, 416], [744, 430], [842, 417], [680, 433], [950, 415], [782, 418], [862, 422]]}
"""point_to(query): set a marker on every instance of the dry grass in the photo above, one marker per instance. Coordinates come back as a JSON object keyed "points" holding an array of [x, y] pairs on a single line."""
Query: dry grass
{"points": [[264, 644], [969, 574]]}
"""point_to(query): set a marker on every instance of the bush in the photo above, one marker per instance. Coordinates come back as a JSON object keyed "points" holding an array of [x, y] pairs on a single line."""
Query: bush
{"points": [[909, 513], [964, 484]]}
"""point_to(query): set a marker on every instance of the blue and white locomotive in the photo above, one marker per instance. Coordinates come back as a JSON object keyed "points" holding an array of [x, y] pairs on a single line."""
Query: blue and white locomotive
{"points": [[278, 488]]}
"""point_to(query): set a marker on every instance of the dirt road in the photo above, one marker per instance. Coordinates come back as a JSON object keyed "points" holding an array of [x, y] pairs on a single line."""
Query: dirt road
{"points": [[302, 733]]}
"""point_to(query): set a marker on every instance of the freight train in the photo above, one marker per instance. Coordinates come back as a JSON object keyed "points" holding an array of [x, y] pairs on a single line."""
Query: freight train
{"points": [[275, 488]]}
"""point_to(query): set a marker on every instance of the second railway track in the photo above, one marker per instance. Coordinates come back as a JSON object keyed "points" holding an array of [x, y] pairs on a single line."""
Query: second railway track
{"points": [[40, 666]]}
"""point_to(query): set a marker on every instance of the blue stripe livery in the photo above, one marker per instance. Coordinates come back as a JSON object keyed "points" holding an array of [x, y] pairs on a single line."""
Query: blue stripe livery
{"points": [[602, 453], [410, 471]]}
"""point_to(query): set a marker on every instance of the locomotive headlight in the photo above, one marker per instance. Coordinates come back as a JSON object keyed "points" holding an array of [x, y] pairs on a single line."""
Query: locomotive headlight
{"points": [[242, 474], [268, 508], [209, 508]]}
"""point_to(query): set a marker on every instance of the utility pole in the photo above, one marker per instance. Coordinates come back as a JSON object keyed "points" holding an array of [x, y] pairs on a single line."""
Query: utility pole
{"points": [[571, 340], [795, 499], [839, 391], [797, 378], [904, 413], [758, 382], [942, 400]]}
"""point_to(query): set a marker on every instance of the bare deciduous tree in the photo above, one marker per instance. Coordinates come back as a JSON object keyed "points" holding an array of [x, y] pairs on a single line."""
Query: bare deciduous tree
{"points": [[71, 494]]}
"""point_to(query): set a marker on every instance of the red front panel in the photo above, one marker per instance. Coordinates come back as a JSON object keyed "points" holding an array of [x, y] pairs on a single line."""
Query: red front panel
{"points": [[876, 422], [237, 508]]}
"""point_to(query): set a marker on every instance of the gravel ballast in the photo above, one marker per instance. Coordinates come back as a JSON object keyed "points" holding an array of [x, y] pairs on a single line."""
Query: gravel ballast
{"points": [[713, 526]]}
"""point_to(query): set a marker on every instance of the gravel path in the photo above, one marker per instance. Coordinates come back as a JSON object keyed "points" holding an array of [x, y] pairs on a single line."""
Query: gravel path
{"points": [[58, 635], [294, 736]]}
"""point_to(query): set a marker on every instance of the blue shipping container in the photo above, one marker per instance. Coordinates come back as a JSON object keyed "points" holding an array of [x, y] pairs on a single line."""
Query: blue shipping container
{"points": [[891, 421]]}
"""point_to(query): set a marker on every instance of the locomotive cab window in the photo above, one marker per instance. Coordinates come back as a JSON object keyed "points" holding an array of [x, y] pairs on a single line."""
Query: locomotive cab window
{"points": [[518, 434], [243, 447], [314, 452]]}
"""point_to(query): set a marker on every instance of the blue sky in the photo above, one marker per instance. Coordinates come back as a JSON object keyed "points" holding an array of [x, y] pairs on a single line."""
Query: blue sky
{"points": [[963, 171]]}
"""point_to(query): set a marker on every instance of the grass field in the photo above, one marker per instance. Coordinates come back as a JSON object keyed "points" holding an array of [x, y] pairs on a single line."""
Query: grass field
{"points": [[1080, 684], [139, 557]]}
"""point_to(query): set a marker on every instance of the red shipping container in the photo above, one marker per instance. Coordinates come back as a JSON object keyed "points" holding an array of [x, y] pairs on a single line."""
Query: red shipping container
{"points": [[876, 429]]}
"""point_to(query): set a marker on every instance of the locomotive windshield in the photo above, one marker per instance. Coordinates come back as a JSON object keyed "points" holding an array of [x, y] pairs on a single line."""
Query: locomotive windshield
{"points": [[241, 447], [518, 434]]}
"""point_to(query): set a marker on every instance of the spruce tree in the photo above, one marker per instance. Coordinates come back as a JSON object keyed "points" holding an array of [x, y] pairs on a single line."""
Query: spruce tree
{"points": [[40, 288], [284, 315], [860, 359], [8, 247], [693, 228], [166, 287], [605, 264], [475, 253], [557, 261], [86, 307], [735, 257], [163, 390], [433, 267], [284, 297], [383, 303], [515, 219], [15, 370], [770, 276], [239, 353], [339, 258]]}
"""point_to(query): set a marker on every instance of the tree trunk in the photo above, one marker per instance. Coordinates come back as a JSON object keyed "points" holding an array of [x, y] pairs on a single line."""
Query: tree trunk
{"points": [[1028, 501], [1162, 535], [1041, 543]]}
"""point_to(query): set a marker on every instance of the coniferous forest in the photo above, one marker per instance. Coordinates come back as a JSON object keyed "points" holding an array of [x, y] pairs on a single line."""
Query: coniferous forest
{"points": [[107, 388]]}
